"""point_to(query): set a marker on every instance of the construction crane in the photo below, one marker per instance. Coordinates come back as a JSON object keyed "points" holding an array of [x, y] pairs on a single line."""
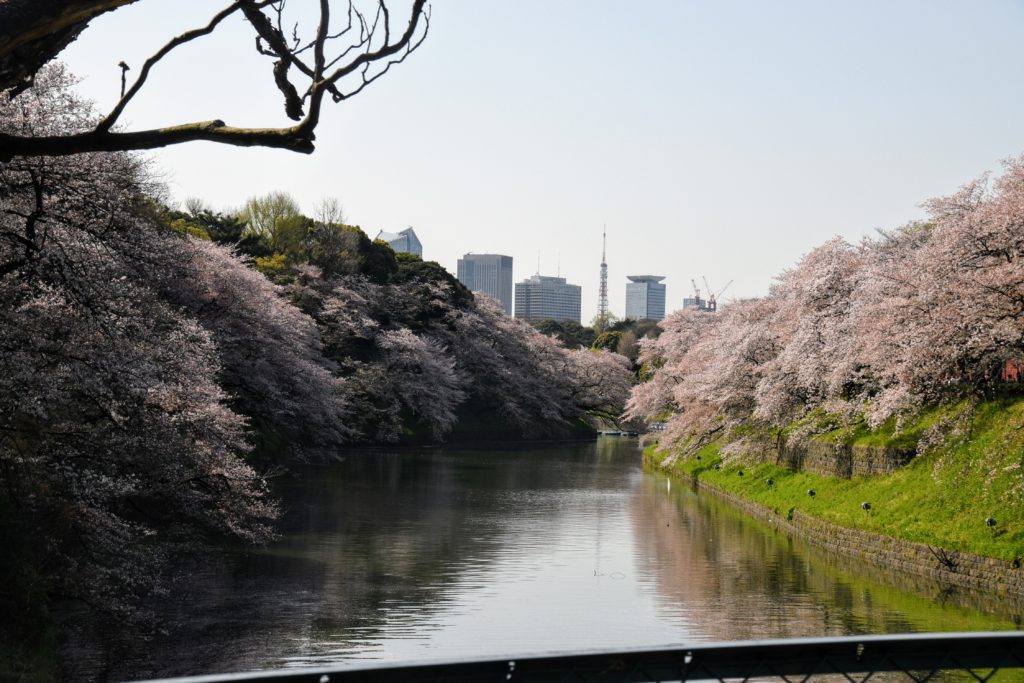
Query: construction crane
{"points": [[696, 290], [713, 298]]}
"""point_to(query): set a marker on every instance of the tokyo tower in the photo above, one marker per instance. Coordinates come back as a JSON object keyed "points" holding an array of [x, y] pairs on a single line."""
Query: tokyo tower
{"points": [[602, 296]]}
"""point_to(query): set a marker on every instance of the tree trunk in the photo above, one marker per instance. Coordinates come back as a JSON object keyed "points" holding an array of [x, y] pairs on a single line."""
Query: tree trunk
{"points": [[32, 32]]}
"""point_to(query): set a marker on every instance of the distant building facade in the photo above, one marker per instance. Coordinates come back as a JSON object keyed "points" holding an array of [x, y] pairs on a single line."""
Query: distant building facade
{"points": [[699, 304], [1013, 370], [645, 297], [541, 297], [490, 274], [404, 241]]}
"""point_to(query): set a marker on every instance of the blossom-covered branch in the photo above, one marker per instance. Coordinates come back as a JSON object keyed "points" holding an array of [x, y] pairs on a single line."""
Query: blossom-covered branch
{"points": [[923, 313]]}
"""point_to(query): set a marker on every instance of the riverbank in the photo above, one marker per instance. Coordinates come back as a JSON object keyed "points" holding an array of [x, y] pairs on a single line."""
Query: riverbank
{"points": [[456, 553], [954, 510]]}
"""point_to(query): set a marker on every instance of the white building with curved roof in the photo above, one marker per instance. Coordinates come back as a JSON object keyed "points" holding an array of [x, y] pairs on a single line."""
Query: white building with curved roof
{"points": [[403, 242], [645, 297]]}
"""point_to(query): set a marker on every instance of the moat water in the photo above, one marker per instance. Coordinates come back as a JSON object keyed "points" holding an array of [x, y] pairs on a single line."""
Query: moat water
{"points": [[451, 553]]}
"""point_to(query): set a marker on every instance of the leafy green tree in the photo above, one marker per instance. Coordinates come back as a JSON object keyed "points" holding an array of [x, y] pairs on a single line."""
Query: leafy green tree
{"points": [[334, 249], [186, 227], [576, 335], [222, 228], [607, 340], [550, 328], [338, 250], [627, 345], [569, 332], [201, 222], [275, 219], [381, 262], [602, 323], [630, 332], [274, 266]]}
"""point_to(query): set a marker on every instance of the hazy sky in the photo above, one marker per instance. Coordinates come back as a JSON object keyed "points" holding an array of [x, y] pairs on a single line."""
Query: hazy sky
{"points": [[719, 138]]}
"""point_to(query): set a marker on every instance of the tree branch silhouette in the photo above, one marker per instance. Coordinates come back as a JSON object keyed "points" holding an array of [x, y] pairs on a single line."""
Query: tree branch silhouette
{"points": [[343, 64]]}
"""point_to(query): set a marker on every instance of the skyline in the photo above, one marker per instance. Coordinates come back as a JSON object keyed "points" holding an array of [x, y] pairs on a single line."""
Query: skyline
{"points": [[716, 140], [458, 272]]}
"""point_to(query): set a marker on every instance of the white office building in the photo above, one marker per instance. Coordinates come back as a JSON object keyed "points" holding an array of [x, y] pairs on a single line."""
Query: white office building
{"points": [[404, 241], [490, 274], [645, 297], [541, 298]]}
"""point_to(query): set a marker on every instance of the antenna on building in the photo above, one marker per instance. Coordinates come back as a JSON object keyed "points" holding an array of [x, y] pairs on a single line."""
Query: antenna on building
{"points": [[559, 264], [538, 262], [602, 295]]}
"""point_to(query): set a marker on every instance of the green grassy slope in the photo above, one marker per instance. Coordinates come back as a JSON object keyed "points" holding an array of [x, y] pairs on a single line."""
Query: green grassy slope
{"points": [[942, 497]]}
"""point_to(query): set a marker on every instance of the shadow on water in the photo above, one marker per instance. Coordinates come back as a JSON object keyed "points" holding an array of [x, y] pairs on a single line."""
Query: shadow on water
{"points": [[452, 553]]}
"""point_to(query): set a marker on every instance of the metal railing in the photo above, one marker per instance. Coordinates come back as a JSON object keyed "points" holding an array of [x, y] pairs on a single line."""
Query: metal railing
{"points": [[917, 657]]}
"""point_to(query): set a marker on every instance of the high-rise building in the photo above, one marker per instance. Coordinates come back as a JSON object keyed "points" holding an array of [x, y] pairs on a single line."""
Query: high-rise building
{"points": [[490, 274], [645, 297], [404, 241], [541, 297]]}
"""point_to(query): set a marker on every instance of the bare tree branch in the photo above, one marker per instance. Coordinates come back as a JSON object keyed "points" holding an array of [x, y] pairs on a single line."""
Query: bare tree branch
{"points": [[297, 139], [365, 59], [177, 41]]}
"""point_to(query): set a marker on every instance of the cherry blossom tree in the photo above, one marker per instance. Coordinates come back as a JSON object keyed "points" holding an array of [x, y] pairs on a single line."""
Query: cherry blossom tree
{"points": [[118, 450], [271, 360], [668, 363], [921, 314], [600, 381], [812, 327], [416, 374], [138, 365], [951, 304], [514, 370], [418, 348], [887, 314]]}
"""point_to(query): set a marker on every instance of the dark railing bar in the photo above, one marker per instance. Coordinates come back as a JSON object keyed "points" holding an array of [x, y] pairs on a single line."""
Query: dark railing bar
{"points": [[697, 661]]}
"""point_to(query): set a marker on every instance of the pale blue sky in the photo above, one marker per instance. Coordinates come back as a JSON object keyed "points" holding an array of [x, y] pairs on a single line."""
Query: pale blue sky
{"points": [[720, 139]]}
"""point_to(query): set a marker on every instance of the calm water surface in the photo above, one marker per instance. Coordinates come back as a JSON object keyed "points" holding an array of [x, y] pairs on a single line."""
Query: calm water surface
{"points": [[455, 553]]}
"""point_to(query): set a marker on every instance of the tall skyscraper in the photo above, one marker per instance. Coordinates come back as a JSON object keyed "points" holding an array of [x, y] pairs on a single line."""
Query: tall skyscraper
{"points": [[490, 274], [602, 293], [541, 297], [645, 297], [404, 241]]}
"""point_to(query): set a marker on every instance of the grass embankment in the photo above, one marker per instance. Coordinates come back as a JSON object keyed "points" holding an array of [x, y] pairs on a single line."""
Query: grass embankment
{"points": [[942, 497]]}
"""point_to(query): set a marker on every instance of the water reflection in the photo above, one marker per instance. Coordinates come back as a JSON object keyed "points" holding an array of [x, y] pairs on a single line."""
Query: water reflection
{"points": [[446, 553], [742, 579]]}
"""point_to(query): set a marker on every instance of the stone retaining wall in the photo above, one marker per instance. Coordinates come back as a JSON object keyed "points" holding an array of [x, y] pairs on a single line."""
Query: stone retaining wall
{"points": [[831, 459], [943, 566]]}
